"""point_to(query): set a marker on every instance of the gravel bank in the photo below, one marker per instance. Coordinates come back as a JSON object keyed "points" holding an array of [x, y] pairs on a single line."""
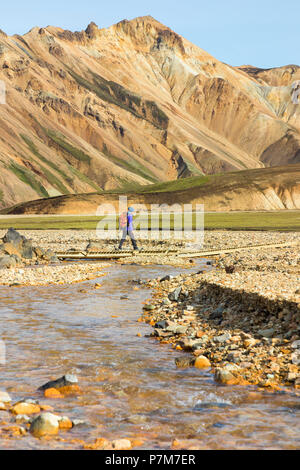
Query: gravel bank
{"points": [[244, 317]]}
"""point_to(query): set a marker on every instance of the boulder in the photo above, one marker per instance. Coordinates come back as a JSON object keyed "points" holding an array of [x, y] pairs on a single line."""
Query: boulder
{"points": [[64, 381], [222, 338], [174, 296], [7, 262], [25, 408], [10, 249], [266, 333], [223, 376], [202, 362], [27, 250], [45, 424], [4, 397], [13, 237]]}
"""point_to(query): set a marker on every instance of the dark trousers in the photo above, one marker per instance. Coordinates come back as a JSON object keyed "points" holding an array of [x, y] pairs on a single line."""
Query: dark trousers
{"points": [[129, 232]]}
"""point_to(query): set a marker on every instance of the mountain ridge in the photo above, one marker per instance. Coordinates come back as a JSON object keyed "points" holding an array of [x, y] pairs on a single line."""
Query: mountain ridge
{"points": [[133, 103]]}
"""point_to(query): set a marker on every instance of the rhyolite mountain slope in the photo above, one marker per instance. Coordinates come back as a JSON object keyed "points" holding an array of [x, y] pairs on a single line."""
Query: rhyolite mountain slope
{"points": [[133, 103], [272, 188]]}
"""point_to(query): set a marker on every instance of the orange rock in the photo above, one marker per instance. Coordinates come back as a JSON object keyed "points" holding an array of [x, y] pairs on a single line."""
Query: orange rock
{"points": [[137, 442], [52, 393], [65, 423], [248, 343], [202, 362], [200, 334], [99, 444], [24, 408], [285, 351], [70, 390], [14, 431], [176, 444]]}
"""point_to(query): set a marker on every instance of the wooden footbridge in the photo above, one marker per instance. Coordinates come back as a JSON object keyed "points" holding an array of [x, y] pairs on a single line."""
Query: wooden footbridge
{"points": [[180, 253]]}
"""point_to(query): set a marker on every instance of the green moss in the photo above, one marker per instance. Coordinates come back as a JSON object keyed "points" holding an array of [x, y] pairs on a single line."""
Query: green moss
{"points": [[159, 116], [126, 186], [176, 185], [28, 178], [75, 152], [130, 165], [1, 195], [54, 181], [35, 151], [84, 178], [50, 176], [59, 139], [110, 92], [118, 95]]}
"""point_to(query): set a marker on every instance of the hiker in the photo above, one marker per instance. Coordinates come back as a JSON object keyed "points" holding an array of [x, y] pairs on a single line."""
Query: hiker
{"points": [[126, 225]]}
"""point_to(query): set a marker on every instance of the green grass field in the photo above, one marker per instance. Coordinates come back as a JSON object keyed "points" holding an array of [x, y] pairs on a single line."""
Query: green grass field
{"points": [[281, 220]]}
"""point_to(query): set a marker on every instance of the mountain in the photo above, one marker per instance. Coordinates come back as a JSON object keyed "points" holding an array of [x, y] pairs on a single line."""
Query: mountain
{"points": [[263, 189], [133, 103]]}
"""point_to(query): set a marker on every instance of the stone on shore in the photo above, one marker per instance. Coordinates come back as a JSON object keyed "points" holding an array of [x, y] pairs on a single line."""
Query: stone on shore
{"points": [[121, 444], [25, 408], [174, 296], [4, 397], [224, 376], [201, 362], [13, 237], [8, 262], [46, 424], [65, 423], [267, 333]]}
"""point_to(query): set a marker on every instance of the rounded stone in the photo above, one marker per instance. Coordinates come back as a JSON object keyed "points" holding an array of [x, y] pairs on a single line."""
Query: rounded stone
{"points": [[45, 424], [202, 362]]}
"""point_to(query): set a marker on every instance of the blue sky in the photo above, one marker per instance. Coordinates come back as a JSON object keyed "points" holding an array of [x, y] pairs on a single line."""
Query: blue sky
{"points": [[263, 33]]}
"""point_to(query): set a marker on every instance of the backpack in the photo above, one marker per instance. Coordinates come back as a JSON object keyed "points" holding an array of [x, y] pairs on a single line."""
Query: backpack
{"points": [[123, 220]]}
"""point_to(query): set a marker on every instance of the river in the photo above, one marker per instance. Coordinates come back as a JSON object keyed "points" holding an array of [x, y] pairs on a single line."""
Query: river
{"points": [[131, 386]]}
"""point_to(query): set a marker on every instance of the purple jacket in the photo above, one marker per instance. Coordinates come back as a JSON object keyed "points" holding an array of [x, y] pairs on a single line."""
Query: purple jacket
{"points": [[129, 221]]}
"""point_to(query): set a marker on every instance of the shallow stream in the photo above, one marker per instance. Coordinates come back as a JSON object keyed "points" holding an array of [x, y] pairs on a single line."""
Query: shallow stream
{"points": [[131, 386]]}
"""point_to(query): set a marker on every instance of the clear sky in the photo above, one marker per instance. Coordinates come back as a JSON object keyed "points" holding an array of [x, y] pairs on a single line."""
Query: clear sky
{"points": [[264, 33]]}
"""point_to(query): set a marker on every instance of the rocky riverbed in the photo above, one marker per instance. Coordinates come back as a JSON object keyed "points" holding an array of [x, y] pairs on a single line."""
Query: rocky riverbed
{"points": [[36, 251], [31, 261], [242, 319], [234, 326], [36, 418]]}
